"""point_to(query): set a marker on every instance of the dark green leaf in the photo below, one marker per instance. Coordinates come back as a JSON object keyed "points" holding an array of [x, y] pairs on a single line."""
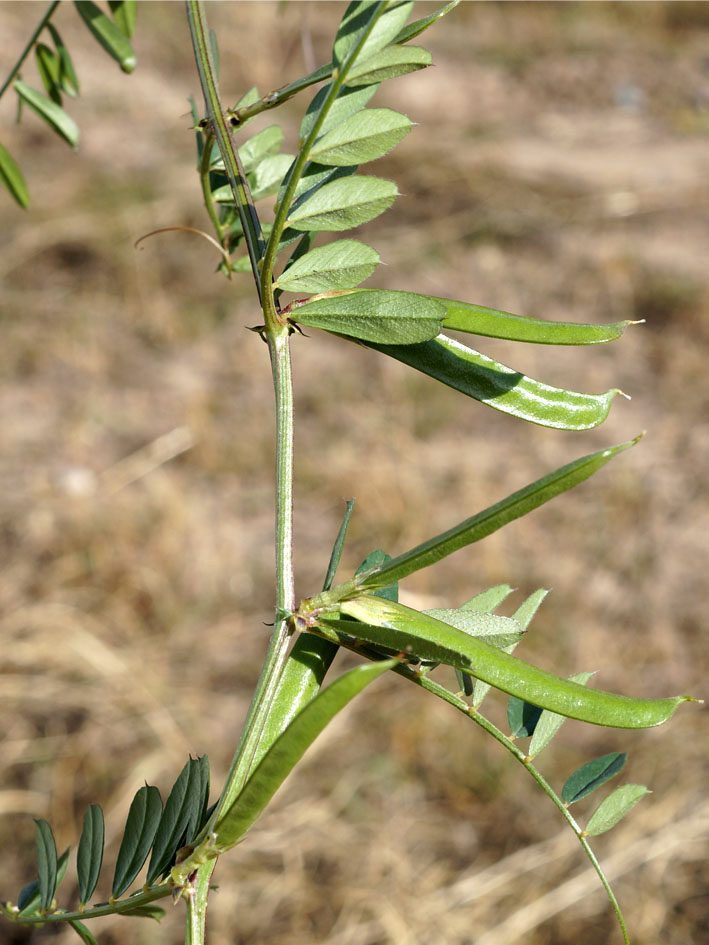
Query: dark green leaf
{"points": [[287, 751], [389, 64], [89, 855], [107, 34], [522, 717], [46, 862], [83, 933], [67, 75], [141, 827], [13, 179], [179, 818], [201, 765], [365, 18], [344, 203], [614, 808], [49, 112], [500, 387], [488, 521], [591, 776], [339, 265], [49, 67], [28, 898], [365, 136], [523, 615], [403, 630], [373, 314], [478, 320], [348, 102], [550, 723], [418, 26], [125, 13]]}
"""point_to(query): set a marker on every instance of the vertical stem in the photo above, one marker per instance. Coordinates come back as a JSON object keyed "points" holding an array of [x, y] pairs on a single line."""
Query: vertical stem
{"points": [[279, 347]]}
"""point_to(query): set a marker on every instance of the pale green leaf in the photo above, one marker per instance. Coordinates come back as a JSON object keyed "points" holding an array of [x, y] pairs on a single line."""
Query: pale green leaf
{"points": [[266, 178], [262, 144], [339, 265], [497, 631], [348, 102], [343, 204], [364, 136], [67, 75], [49, 68], [84, 934], [486, 601], [614, 808], [125, 13], [49, 112], [389, 64]]}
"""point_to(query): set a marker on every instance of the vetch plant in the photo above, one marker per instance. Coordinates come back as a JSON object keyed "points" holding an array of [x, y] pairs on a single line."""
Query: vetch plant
{"points": [[320, 189]]}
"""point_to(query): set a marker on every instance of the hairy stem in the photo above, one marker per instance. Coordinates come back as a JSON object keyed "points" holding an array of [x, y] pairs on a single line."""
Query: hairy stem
{"points": [[28, 48]]}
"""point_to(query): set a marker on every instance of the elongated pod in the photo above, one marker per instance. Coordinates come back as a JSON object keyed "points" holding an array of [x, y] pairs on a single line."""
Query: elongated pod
{"points": [[397, 627]]}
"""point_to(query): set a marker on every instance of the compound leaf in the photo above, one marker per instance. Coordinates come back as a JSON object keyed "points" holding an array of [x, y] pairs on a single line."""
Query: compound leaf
{"points": [[107, 34], [12, 178], [591, 776], [288, 749], [344, 203], [89, 855], [364, 136], [339, 265], [141, 826], [373, 314], [614, 808], [501, 387], [49, 111]]}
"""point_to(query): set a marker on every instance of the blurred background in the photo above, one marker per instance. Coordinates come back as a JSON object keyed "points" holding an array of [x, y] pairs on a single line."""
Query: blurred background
{"points": [[559, 170]]}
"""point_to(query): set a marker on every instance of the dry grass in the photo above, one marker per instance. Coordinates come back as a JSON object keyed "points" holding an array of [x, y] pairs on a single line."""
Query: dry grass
{"points": [[559, 171]]}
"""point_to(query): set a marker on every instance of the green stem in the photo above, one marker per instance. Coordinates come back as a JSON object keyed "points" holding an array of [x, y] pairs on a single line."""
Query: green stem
{"points": [[250, 223], [285, 594], [197, 905], [28, 48], [207, 191]]}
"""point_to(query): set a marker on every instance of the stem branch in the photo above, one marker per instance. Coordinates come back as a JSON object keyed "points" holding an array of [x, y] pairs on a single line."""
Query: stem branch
{"points": [[30, 43]]}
